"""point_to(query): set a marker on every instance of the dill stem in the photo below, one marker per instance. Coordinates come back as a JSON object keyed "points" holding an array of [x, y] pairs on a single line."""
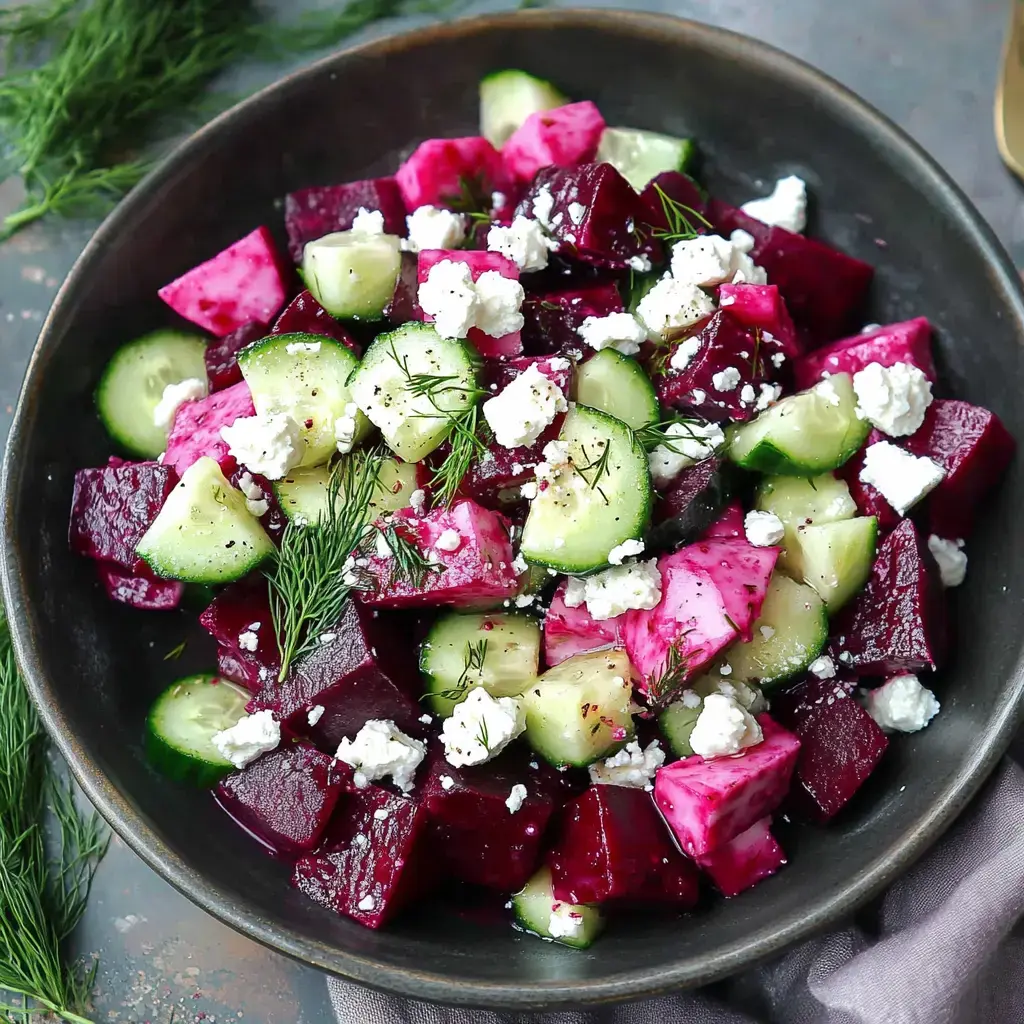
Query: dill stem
{"points": [[44, 1004]]}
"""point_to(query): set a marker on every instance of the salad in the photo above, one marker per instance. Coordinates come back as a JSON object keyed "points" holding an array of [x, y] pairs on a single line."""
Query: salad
{"points": [[559, 529]]}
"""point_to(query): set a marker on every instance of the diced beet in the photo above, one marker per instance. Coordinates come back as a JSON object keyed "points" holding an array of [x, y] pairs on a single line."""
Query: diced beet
{"points": [[138, 591], [477, 837], [906, 342], [897, 623], [974, 448], [405, 304], [553, 318], [726, 344], [571, 631], [314, 212], [113, 507], [376, 859], [750, 858], [230, 666], [562, 137], [613, 845], [690, 504], [868, 499], [692, 617], [709, 803], [728, 525], [197, 426], [479, 570], [608, 232], [823, 288], [234, 611], [792, 706], [762, 306], [679, 190], [439, 169], [243, 283], [273, 520], [285, 797], [222, 369], [304, 315]]}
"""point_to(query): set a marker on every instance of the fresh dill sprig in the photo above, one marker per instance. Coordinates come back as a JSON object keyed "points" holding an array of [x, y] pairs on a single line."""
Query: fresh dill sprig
{"points": [[407, 562], [42, 894], [176, 652], [472, 198], [311, 575], [597, 466], [665, 685], [482, 736], [474, 662], [656, 435], [680, 219]]}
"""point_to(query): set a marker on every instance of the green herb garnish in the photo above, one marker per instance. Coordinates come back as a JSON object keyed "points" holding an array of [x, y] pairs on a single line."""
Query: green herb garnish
{"points": [[597, 467], [656, 435], [407, 562], [474, 662], [176, 652], [664, 686], [680, 219]]}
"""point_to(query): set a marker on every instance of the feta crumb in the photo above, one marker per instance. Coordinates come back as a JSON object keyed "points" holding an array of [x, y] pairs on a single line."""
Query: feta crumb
{"points": [[543, 206], [449, 295], [426, 719], [249, 737], [767, 632], [763, 529], [368, 222], [499, 300], [617, 590], [686, 444], [418, 501], [176, 395], [381, 748], [769, 396], [631, 766], [432, 228], [576, 211], [516, 797], [529, 490], [524, 409], [266, 444], [952, 561], [523, 242], [823, 667], [565, 921], [381, 814], [248, 640], [786, 207], [748, 396], [640, 263], [743, 240], [846, 657], [892, 398], [345, 429], [315, 713], [690, 699], [255, 501], [524, 600], [366, 903], [686, 351], [747, 271], [902, 704], [778, 358], [672, 304], [447, 782], [450, 540], [381, 545], [727, 379], [294, 348], [621, 552], [707, 260], [723, 728], [901, 478], [481, 727], [620, 331], [556, 452]]}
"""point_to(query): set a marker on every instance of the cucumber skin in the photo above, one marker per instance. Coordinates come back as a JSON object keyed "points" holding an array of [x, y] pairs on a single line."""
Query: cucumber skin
{"points": [[852, 586], [538, 892], [676, 723], [637, 381]]}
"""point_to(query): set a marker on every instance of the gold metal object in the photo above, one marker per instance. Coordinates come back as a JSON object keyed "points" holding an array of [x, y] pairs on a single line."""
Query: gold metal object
{"points": [[1010, 94]]}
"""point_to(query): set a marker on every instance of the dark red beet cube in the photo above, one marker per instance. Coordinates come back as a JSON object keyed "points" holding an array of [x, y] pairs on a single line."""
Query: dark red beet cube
{"points": [[138, 591], [314, 212], [113, 507], [761, 306], [729, 524], [233, 614], [222, 369], [304, 315], [610, 231], [613, 845], [750, 858], [869, 499], [376, 858], [552, 319], [479, 839], [230, 666], [690, 504], [669, 190], [285, 797], [897, 623], [974, 448], [405, 303]]}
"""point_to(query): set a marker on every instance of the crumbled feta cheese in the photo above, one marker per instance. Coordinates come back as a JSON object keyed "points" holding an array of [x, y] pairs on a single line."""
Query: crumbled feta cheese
{"points": [[543, 207], [249, 737], [763, 529], [640, 263], [565, 921], [690, 699], [621, 552], [294, 348], [576, 211], [727, 379], [901, 478], [266, 444], [687, 444], [523, 242], [620, 331], [892, 398], [449, 295], [498, 201], [706, 261], [450, 540], [446, 782], [630, 767], [345, 429], [426, 719], [767, 632], [516, 797], [951, 559], [769, 396], [382, 813], [519, 564], [786, 207], [672, 304], [685, 353], [524, 409], [823, 667], [481, 727], [556, 452], [366, 903], [748, 395], [575, 592], [255, 500], [747, 271], [248, 640], [368, 222], [723, 728], [529, 490], [902, 704], [174, 396], [380, 749], [315, 713], [381, 545], [778, 358], [524, 600], [418, 501], [743, 240], [618, 589], [432, 228], [499, 302], [327, 638]]}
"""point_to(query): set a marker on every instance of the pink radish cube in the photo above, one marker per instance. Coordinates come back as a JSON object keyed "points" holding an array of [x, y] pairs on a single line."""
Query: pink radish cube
{"points": [[709, 803], [761, 306], [244, 282], [197, 426], [562, 137], [571, 631], [729, 525], [750, 858], [438, 170], [469, 543]]}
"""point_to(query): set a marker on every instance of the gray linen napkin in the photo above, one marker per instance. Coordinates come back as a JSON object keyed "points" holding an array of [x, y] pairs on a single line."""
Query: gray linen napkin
{"points": [[943, 951]]}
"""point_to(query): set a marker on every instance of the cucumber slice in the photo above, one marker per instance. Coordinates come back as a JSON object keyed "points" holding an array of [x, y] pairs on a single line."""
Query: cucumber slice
{"points": [[613, 383], [676, 723], [804, 434], [597, 501], [836, 558], [499, 651], [182, 723], [306, 376], [640, 155], [302, 494], [204, 533], [508, 98], [790, 633], [579, 711], [536, 909], [411, 424], [678, 719], [352, 274], [133, 384]]}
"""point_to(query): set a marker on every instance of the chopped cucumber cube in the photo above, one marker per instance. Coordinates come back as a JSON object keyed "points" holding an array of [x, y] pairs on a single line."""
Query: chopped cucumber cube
{"points": [[538, 912], [352, 274], [508, 98], [613, 383], [640, 155]]}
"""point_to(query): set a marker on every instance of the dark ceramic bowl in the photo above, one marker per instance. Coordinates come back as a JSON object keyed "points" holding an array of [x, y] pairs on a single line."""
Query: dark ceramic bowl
{"points": [[94, 667]]}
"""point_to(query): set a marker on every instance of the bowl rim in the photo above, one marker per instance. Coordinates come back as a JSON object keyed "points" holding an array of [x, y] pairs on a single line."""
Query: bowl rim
{"points": [[130, 823]]}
